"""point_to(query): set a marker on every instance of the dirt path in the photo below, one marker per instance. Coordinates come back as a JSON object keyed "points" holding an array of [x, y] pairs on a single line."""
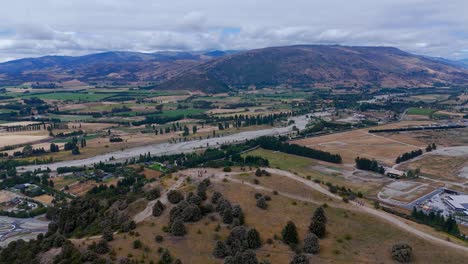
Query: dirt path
{"points": [[402, 224], [396, 141], [148, 211]]}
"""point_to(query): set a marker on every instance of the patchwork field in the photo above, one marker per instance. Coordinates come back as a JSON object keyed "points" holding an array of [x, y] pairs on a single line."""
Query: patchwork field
{"points": [[360, 143]]}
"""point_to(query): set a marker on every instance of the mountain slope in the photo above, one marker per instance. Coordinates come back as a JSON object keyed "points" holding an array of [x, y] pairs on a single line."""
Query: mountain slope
{"points": [[327, 66], [107, 66], [218, 71]]}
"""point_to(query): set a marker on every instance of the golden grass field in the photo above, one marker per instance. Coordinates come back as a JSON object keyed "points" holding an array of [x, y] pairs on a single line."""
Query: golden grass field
{"points": [[439, 167], [352, 237], [382, 147]]}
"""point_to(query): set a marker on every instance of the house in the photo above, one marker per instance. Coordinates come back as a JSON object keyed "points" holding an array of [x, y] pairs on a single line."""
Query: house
{"points": [[393, 173], [21, 186]]}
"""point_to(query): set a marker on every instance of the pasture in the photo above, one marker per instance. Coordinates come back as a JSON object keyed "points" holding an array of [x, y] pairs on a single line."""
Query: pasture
{"points": [[420, 111]]}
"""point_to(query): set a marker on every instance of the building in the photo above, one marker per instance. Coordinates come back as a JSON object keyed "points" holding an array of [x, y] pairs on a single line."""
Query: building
{"points": [[393, 173], [458, 203]]}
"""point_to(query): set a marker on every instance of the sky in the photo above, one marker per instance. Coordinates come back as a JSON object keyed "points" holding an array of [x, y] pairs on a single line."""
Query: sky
{"points": [[32, 28]]}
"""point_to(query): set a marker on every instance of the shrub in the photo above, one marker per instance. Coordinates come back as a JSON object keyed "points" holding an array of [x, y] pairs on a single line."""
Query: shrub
{"points": [[261, 203], [300, 259], [137, 244], [158, 238], [402, 252], [174, 196], [227, 169]]}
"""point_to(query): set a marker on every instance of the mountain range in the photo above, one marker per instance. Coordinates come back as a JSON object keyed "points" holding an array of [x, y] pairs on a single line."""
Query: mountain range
{"points": [[215, 71]]}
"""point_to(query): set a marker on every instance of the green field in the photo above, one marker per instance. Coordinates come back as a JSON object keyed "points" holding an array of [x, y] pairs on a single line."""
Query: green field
{"points": [[83, 97], [71, 118], [158, 167], [179, 112], [282, 160], [87, 137], [420, 111]]}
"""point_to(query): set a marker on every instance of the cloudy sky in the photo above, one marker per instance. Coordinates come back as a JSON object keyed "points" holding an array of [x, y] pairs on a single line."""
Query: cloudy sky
{"points": [[31, 28]]}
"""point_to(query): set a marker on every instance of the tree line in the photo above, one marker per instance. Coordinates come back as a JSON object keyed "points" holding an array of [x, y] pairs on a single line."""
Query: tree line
{"points": [[273, 143], [408, 155], [369, 165], [436, 220]]}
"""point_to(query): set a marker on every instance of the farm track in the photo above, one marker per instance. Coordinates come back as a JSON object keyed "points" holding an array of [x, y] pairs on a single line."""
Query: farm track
{"points": [[387, 217]]}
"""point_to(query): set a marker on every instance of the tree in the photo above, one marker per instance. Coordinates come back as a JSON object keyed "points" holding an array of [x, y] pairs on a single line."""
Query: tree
{"points": [[318, 228], [319, 215], [178, 228], [75, 151], [311, 244], [227, 216], [402, 252], [174, 196], [102, 247], [289, 234], [215, 197], [245, 257], [154, 193], [158, 208], [300, 259], [220, 250], [107, 234], [253, 239], [27, 150], [261, 203], [194, 129], [54, 148]]}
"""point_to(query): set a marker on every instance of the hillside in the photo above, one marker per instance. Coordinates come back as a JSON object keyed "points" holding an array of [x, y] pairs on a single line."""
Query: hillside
{"points": [[218, 71], [328, 66]]}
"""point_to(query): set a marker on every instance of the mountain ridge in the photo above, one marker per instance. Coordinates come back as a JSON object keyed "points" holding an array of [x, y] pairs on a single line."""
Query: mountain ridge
{"points": [[213, 71]]}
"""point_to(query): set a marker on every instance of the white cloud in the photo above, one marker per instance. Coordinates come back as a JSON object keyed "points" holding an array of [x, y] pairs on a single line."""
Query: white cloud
{"points": [[72, 27]]}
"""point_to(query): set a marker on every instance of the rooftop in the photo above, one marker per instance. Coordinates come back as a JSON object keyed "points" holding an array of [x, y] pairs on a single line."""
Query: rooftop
{"points": [[458, 201]]}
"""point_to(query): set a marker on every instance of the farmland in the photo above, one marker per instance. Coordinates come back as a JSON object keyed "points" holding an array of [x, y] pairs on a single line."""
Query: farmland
{"points": [[122, 134]]}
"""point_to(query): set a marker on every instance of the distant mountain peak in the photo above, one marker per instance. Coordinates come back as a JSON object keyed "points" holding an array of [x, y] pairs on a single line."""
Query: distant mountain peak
{"points": [[216, 70]]}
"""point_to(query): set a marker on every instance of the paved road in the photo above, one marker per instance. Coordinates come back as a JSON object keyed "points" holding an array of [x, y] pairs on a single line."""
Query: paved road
{"points": [[168, 148], [20, 228]]}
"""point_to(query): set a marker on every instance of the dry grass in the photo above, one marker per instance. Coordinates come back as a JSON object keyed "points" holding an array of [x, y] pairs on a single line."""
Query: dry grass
{"points": [[352, 237], [8, 140], [45, 199], [384, 148], [439, 167]]}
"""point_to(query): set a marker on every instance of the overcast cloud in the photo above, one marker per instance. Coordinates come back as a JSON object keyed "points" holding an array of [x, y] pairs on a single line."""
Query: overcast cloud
{"points": [[31, 28]]}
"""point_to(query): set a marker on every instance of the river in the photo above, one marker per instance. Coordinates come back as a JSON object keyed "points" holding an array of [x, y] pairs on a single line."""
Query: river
{"points": [[173, 148]]}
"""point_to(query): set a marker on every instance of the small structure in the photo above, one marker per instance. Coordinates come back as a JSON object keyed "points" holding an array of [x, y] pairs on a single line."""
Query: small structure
{"points": [[458, 203], [393, 173]]}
